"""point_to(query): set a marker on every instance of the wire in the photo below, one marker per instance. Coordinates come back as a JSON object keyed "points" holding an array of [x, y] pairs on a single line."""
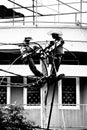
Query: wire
{"points": [[10, 67], [40, 80], [13, 84], [71, 53], [37, 42], [33, 85]]}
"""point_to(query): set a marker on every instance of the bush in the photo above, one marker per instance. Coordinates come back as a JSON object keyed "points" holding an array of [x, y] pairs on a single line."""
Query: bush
{"points": [[12, 118]]}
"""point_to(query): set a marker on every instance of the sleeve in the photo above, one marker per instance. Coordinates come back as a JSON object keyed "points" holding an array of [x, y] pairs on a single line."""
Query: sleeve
{"points": [[24, 52]]}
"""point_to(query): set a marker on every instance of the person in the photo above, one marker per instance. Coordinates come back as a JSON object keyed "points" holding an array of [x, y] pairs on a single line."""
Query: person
{"points": [[26, 52], [56, 49]]}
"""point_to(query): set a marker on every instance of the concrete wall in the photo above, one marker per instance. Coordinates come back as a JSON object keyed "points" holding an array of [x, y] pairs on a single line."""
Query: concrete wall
{"points": [[17, 35]]}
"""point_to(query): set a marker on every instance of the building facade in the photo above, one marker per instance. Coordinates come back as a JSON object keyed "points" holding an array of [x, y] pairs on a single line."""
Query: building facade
{"points": [[70, 101]]}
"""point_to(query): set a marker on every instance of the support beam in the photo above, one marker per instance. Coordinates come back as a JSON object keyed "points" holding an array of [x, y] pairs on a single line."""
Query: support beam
{"points": [[80, 11], [68, 5], [24, 7], [33, 12]]}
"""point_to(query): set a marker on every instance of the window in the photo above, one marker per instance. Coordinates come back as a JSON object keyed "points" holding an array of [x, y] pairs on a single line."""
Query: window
{"points": [[69, 93], [32, 101], [16, 90], [12, 91], [4, 90], [23, 95], [32, 96]]}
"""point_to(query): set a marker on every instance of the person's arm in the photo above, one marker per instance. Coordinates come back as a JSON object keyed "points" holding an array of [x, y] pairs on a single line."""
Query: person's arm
{"points": [[49, 46], [61, 42]]}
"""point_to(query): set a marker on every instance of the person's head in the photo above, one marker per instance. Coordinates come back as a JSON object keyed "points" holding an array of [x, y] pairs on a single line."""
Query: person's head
{"points": [[27, 40], [55, 34]]}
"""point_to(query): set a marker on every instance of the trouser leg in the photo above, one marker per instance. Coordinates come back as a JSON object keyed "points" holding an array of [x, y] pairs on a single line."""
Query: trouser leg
{"points": [[33, 67]]}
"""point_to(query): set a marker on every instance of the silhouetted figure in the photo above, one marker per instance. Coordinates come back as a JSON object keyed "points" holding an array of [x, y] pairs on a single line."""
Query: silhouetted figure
{"points": [[26, 52], [56, 49]]}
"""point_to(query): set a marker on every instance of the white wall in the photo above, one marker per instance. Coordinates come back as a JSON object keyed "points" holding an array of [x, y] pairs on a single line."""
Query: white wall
{"points": [[17, 35], [23, 70]]}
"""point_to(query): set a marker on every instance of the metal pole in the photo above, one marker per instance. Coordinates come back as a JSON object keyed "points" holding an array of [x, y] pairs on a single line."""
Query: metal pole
{"points": [[13, 12], [58, 10], [80, 11], [33, 12], [54, 88], [49, 119], [36, 12]]}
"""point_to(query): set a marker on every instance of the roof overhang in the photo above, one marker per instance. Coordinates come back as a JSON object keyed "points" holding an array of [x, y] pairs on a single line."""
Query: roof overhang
{"points": [[9, 13]]}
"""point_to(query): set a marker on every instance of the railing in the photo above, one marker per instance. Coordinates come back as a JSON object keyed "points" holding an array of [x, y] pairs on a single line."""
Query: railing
{"points": [[65, 19]]}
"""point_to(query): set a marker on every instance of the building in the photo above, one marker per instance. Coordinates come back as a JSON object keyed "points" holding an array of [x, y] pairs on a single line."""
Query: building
{"points": [[70, 102], [69, 108]]}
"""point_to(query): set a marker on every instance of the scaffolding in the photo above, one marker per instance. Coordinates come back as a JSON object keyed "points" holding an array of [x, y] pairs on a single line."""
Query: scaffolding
{"points": [[46, 12]]}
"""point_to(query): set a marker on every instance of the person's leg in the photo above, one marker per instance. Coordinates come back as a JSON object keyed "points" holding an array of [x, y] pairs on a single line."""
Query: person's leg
{"points": [[33, 67]]}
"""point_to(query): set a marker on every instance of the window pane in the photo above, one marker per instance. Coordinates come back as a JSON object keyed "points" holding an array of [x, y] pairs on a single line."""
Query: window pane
{"points": [[17, 90], [33, 95], [3, 90], [69, 91], [16, 79]]}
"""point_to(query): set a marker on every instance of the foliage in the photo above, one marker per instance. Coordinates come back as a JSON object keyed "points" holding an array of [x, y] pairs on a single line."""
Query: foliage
{"points": [[12, 118]]}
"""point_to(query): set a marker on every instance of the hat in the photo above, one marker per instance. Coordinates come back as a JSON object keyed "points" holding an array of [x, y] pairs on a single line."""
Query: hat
{"points": [[55, 32], [27, 39]]}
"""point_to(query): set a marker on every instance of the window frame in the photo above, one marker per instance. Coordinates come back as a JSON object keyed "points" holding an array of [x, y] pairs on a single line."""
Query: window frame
{"points": [[60, 105], [26, 106], [7, 91]]}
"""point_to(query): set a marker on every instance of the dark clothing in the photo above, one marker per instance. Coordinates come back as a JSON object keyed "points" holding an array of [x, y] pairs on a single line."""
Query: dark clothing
{"points": [[33, 67], [56, 53], [27, 59]]}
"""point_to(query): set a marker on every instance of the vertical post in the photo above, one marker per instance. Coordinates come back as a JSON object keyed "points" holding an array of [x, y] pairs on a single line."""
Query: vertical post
{"points": [[33, 12], [13, 12], [58, 10], [52, 101], [43, 95], [75, 17], [8, 91], [36, 12], [80, 11], [23, 20]]}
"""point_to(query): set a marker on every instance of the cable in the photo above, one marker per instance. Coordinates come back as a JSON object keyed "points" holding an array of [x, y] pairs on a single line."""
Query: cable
{"points": [[9, 67], [71, 53], [11, 84]]}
